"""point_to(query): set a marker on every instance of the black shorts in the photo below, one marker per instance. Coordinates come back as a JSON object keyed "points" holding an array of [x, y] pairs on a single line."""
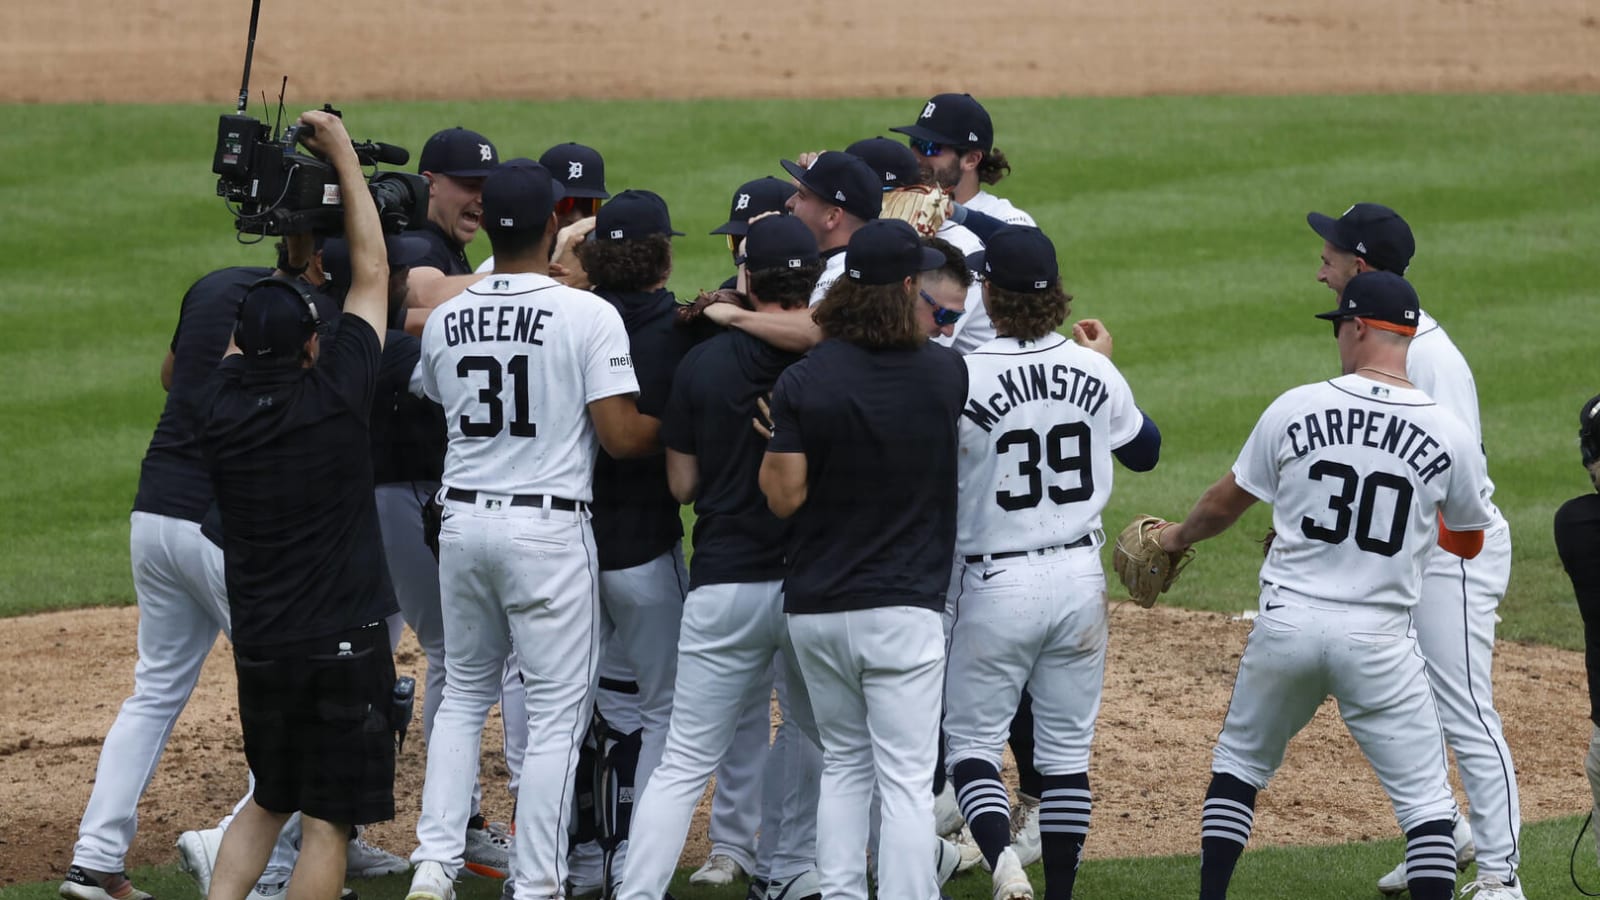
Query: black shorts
{"points": [[316, 725]]}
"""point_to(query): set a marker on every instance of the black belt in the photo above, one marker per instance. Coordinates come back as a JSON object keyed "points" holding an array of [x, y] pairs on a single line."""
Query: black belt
{"points": [[538, 500], [1085, 541]]}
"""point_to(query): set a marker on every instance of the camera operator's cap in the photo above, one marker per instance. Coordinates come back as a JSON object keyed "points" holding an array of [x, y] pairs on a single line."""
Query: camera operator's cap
{"points": [[779, 242], [1384, 299], [460, 152], [1589, 429], [519, 196], [753, 198], [1018, 258], [954, 119], [580, 169], [1371, 231], [632, 215], [275, 319], [842, 180], [894, 162], [885, 251]]}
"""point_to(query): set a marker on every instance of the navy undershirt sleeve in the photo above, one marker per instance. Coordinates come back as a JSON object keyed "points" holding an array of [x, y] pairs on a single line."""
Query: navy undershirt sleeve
{"points": [[1141, 453]]}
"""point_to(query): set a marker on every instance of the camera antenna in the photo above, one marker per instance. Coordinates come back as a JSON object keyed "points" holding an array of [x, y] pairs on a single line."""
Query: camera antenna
{"points": [[249, 52], [277, 125]]}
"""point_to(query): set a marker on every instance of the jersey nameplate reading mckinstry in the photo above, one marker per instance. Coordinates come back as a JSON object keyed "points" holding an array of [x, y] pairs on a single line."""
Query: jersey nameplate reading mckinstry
{"points": [[1373, 428], [1038, 381]]}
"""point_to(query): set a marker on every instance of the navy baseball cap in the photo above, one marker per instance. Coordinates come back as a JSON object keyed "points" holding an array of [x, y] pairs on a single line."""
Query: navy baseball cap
{"points": [[779, 242], [519, 196], [885, 251], [460, 152], [1018, 258], [275, 319], [954, 119], [1371, 231], [579, 169], [894, 162], [403, 249], [753, 198], [632, 215], [843, 180], [1589, 429], [1384, 299]]}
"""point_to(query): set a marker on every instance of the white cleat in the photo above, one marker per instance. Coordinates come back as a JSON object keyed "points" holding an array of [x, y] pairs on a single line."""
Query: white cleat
{"points": [[1490, 887], [971, 853], [719, 870], [1466, 853], [1025, 830], [804, 886], [430, 883], [197, 855], [1010, 881], [364, 860], [947, 859]]}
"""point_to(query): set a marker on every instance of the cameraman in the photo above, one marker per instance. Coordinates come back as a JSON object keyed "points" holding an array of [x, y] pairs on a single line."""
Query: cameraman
{"points": [[455, 162], [1578, 542], [283, 428]]}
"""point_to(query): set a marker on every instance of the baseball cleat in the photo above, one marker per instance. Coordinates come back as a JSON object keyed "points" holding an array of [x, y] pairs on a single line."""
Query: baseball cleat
{"points": [[364, 860], [585, 869], [1025, 830], [87, 884], [268, 890], [947, 818], [756, 889], [799, 887], [1010, 881], [197, 855], [719, 869], [488, 849], [1489, 887], [1466, 850], [430, 883], [947, 858], [1394, 882]]}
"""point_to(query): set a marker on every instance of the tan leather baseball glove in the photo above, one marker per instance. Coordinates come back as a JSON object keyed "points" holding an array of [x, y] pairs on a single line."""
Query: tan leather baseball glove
{"points": [[924, 206], [1146, 570]]}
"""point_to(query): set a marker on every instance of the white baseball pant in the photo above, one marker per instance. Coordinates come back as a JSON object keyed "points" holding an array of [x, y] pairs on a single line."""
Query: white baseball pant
{"points": [[1037, 620], [1302, 649], [643, 606], [522, 577], [1455, 624], [875, 679]]}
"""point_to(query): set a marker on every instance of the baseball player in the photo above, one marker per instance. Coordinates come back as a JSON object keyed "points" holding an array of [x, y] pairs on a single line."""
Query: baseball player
{"points": [[1456, 617], [455, 161], [1361, 470], [862, 459], [955, 138], [834, 197], [1577, 528], [753, 198], [1043, 418], [582, 173], [638, 532], [733, 625], [531, 375]]}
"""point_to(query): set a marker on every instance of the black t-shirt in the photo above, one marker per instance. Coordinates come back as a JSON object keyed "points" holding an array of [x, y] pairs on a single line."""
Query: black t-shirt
{"points": [[737, 540], [1578, 542], [407, 431], [878, 429], [635, 516], [288, 455], [444, 253], [173, 480]]}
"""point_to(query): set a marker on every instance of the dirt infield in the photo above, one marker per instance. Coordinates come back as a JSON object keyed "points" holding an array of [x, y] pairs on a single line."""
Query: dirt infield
{"points": [[191, 50], [1168, 679]]}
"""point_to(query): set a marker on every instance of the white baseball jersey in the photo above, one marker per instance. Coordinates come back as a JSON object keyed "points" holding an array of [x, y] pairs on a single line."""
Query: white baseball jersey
{"points": [[1439, 370], [1357, 472], [1041, 420], [973, 329], [999, 208], [832, 269], [501, 358]]}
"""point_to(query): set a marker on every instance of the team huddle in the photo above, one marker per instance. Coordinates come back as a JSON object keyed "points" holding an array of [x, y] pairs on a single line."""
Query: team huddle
{"points": [[897, 463]]}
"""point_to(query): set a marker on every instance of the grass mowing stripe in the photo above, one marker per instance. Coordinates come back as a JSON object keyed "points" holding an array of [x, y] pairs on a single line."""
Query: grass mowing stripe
{"points": [[1180, 222]]}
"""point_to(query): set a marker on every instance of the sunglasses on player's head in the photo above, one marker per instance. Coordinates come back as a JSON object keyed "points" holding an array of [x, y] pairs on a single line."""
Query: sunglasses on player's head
{"points": [[586, 206], [941, 316], [926, 148]]}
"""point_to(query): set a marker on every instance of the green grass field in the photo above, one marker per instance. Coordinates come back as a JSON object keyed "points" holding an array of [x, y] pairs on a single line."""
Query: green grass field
{"points": [[1180, 223], [1303, 873]]}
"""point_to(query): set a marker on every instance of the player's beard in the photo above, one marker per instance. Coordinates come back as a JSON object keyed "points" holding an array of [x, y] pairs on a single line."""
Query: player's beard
{"points": [[946, 177]]}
